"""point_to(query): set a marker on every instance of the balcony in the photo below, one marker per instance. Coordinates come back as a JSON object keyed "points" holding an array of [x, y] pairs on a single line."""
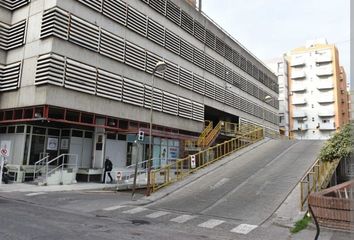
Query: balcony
{"points": [[297, 61], [298, 88], [324, 71], [327, 126], [299, 114], [326, 99], [323, 57], [324, 85], [299, 101], [298, 74], [327, 113], [300, 127]]}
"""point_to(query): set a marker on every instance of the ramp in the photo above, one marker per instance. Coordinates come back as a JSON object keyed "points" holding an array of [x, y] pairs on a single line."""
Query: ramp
{"points": [[250, 187]]}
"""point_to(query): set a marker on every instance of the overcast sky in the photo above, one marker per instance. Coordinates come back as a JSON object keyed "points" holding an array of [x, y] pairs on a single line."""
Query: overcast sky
{"points": [[269, 28]]}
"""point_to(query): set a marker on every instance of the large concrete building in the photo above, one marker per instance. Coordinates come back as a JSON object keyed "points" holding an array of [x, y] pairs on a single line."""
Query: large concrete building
{"points": [[76, 77], [318, 99]]}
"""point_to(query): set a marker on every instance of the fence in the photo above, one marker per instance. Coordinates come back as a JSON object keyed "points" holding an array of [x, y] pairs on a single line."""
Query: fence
{"points": [[179, 169]]}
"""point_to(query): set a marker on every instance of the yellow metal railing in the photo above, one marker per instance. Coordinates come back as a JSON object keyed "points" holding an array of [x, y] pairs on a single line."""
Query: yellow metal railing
{"points": [[213, 133], [206, 131], [180, 168], [317, 178]]}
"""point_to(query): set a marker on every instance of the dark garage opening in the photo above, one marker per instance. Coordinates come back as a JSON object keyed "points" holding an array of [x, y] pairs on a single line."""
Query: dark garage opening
{"points": [[215, 115]]}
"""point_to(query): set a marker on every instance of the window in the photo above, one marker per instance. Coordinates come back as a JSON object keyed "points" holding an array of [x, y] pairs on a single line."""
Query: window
{"points": [[313, 119], [325, 121]]}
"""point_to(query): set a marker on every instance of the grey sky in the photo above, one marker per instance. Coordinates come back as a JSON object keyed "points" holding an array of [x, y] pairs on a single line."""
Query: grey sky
{"points": [[269, 28]]}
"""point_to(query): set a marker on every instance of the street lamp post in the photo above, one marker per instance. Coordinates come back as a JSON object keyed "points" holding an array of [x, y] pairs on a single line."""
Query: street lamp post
{"points": [[159, 67]]}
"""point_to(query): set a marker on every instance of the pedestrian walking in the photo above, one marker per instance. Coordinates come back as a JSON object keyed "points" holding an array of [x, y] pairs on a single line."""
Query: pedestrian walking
{"points": [[108, 166]]}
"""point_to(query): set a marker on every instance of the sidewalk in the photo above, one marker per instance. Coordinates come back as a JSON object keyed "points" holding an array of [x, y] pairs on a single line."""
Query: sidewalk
{"points": [[25, 187]]}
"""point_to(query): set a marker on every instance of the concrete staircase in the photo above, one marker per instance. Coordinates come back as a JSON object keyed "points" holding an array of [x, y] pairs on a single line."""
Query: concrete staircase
{"points": [[58, 177]]}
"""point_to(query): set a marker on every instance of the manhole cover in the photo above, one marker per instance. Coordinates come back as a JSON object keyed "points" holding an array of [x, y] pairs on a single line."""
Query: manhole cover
{"points": [[140, 222]]}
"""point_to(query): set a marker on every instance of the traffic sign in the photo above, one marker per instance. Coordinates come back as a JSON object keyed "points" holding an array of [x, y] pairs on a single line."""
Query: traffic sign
{"points": [[119, 176], [193, 165], [5, 148], [4, 152]]}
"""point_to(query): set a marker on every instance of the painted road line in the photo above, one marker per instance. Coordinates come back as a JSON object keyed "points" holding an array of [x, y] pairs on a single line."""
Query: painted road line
{"points": [[182, 218], [35, 194], [211, 223], [157, 214], [244, 228], [135, 210], [113, 208]]}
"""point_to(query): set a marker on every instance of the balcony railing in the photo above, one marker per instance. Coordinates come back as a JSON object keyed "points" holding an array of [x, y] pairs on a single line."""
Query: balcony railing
{"points": [[299, 74], [299, 101], [326, 99], [298, 88], [300, 127], [322, 58], [323, 85], [327, 126], [327, 113], [297, 61], [324, 71], [299, 114]]}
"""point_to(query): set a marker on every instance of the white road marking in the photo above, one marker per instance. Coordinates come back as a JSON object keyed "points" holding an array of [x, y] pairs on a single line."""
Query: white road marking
{"points": [[182, 218], [135, 210], [35, 194], [220, 183], [157, 214], [244, 228], [113, 208], [211, 223]]}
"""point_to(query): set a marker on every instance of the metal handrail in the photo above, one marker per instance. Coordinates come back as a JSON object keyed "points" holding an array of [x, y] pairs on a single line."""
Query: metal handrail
{"points": [[39, 163], [60, 166], [182, 167], [213, 133], [205, 132]]}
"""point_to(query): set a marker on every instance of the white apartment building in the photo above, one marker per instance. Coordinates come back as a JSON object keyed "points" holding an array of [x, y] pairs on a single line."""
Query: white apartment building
{"points": [[318, 104]]}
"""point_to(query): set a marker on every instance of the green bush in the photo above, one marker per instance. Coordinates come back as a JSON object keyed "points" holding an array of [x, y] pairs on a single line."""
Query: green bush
{"points": [[301, 224], [338, 146]]}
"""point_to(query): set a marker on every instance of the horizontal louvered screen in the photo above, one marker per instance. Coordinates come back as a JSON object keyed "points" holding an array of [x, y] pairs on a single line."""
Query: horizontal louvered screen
{"points": [[199, 58], [80, 77], [50, 69], [185, 78], [158, 5], [109, 85], [135, 56], [94, 4], [185, 108], [170, 103], [10, 76], [13, 4], [198, 112], [116, 10], [12, 36], [198, 84], [219, 93], [229, 98], [187, 22], [151, 61], [137, 21], [210, 89], [55, 22], [173, 12], [171, 73], [133, 92], [157, 100], [84, 34], [112, 46], [172, 42], [156, 32]]}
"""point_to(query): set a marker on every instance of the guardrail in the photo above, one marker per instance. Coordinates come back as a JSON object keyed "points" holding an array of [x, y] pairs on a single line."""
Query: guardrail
{"points": [[316, 178], [179, 169]]}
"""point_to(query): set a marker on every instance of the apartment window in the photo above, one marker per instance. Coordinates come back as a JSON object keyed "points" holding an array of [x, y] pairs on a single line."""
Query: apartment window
{"points": [[325, 121], [313, 119]]}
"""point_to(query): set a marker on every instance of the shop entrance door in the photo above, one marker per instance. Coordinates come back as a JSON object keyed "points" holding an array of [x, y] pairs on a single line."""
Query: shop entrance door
{"points": [[37, 148]]}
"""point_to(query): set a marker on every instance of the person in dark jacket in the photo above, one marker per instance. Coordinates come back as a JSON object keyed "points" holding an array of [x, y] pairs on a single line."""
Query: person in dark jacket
{"points": [[5, 176], [108, 166]]}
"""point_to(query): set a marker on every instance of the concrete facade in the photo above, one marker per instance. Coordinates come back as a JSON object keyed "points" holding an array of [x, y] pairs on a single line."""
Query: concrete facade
{"points": [[96, 58], [318, 101]]}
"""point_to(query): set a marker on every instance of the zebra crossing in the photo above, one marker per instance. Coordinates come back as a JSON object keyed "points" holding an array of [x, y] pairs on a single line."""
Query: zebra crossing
{"points": [[181, 218]]}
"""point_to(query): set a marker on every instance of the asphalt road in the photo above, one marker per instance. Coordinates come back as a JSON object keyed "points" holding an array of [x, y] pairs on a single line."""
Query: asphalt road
{"points": [[251, 187], [247, 191]]}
